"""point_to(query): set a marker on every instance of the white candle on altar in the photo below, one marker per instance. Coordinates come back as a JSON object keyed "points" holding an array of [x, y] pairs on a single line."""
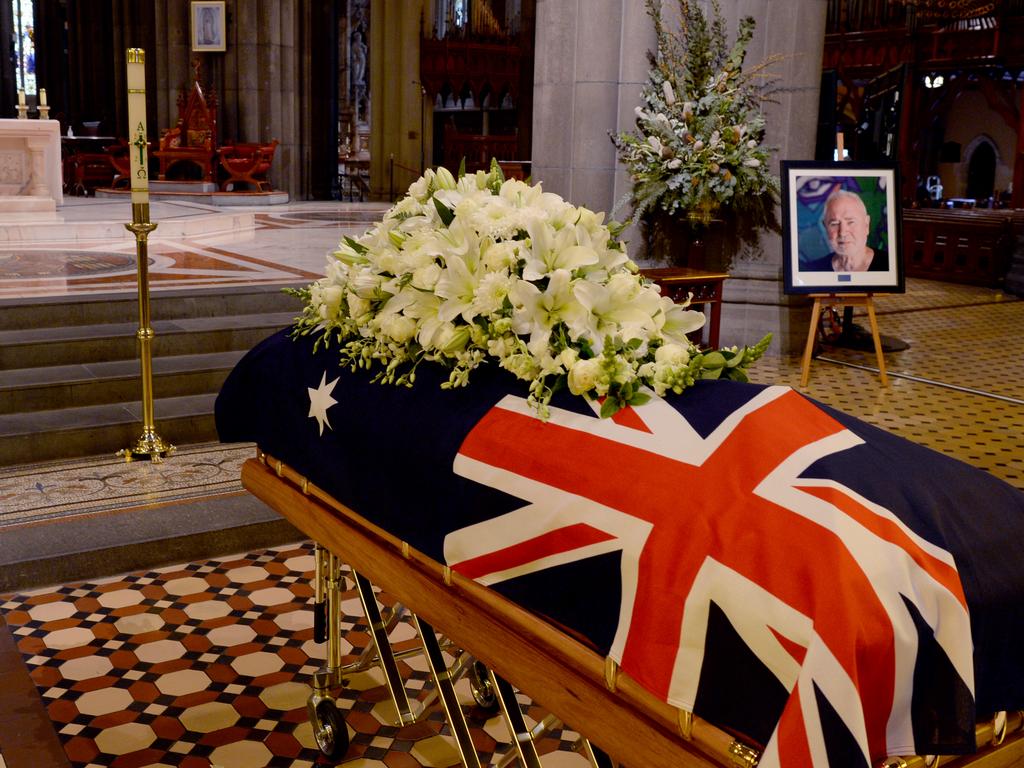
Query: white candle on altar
{"points": [[42, 97], [21, 97], [137, 125]]}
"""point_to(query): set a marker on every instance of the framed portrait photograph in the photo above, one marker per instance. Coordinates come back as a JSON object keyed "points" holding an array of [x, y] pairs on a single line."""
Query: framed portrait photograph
{"points": [[841, 228], [209, 25]]}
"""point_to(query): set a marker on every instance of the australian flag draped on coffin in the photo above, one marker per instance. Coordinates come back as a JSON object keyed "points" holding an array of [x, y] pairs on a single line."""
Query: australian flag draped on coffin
{"points": [[834, 592]]}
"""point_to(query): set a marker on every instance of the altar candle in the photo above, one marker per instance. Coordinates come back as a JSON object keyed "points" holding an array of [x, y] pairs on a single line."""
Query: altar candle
{"points": [[42, 97], [21, 98], [137, 124]]}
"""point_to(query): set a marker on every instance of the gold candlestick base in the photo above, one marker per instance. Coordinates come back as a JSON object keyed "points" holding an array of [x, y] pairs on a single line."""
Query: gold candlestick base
{"points": [[44, 112], [23, 111], [149, 444]]}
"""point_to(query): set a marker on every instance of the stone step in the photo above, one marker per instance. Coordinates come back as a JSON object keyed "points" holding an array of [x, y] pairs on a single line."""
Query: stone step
{"points": [[102, 429], [72, 386], [56, 311], [74, 345]]}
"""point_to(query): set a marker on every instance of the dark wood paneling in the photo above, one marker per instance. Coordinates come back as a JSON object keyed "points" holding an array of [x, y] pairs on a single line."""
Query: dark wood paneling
{"points": [[959, 246]]}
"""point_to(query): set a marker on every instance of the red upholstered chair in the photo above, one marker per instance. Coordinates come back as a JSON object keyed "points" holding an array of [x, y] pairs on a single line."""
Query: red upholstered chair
{"points": [[194, 139], [246, 163]]}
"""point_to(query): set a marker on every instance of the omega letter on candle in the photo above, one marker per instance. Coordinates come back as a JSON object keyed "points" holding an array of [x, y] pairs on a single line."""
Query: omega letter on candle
{"points": [[137, 124]]}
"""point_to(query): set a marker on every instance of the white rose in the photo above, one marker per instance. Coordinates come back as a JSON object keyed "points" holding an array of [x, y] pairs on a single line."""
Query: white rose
{"points": [[583, 375], [425, 278], [357, 306], [672, 354], [399, 327], [332, 298]]}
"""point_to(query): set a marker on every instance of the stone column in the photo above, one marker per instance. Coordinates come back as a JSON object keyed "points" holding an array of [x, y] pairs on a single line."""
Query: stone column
{"points": [[754, 301], [590, 64]]}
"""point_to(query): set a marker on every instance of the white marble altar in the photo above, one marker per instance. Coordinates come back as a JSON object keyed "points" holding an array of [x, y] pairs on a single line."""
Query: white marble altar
{"points": [[30, 169]]}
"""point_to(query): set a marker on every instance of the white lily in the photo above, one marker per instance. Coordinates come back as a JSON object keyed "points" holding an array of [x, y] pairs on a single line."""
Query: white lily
{"points": [[552, 250]]}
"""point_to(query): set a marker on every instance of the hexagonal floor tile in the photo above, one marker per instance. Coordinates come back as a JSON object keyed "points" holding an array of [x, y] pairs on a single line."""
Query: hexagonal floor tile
{"points": [[232, 634], [300, 564], [104, 701], [296, 620], [207, 609], [212, 716], [247, 574], [189, 585], [52, 611], [72, 637], [286, 696], [256, 664], [86, 667], [241, 754], [125, 738], [160, 650], [271, 596], [138, 623], [121, 598], [183, 682], [436, 751]]}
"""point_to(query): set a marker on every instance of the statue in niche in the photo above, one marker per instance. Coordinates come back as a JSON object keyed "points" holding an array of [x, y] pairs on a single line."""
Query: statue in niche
{"points": [[358, 59]]}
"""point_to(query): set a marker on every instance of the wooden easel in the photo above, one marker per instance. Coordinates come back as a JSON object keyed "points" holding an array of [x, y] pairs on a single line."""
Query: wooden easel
{"points": [[842, 300]]}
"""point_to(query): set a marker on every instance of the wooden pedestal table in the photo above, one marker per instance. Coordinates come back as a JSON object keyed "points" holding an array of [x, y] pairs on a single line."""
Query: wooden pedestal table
{"points": [[845, 300]]}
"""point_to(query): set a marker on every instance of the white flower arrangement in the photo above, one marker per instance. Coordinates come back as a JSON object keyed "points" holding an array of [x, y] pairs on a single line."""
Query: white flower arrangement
{"points": [[697, 146], [481, 268]]}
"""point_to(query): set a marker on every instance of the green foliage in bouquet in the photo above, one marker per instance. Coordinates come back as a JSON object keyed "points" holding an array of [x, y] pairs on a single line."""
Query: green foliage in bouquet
{"points": [[697, 150], [465, 271]]}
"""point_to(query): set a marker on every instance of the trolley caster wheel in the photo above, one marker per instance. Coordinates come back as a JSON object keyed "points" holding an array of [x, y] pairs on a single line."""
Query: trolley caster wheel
{"points": [[480, 685], [330, 731]]}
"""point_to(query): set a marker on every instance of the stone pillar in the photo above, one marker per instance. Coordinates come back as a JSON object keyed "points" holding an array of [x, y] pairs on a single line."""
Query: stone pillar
{"points": [[754, 301], [591, 63], [397, 109]]}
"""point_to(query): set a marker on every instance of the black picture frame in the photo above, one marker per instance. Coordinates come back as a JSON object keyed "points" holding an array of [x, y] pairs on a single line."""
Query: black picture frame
{"points": [[810, 262]]}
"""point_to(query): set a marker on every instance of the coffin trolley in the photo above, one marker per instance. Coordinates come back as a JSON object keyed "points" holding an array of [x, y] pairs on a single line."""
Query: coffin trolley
{"points": [[325, 485]]}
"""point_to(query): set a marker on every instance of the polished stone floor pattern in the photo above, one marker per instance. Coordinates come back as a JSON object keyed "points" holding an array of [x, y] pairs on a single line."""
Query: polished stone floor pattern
{"points": [[209, 664]]}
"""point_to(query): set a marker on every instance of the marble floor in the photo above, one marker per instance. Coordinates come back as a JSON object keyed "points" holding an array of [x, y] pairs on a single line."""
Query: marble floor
{"points": [[207, 663]]}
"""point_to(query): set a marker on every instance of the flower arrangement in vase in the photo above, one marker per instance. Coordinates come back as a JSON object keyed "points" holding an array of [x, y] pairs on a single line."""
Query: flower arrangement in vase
{"points": [[697, 152]]}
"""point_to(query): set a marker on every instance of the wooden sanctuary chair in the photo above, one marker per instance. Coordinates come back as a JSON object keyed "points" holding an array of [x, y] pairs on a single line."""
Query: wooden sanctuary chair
{"points": [[194, 139], [247, 163]]}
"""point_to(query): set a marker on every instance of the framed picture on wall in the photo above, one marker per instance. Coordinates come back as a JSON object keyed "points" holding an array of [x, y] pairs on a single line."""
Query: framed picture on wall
{"points": [[841, 228], [209, 25]]}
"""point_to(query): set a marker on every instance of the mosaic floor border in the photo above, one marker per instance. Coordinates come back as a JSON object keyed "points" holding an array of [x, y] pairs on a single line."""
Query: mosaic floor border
{"points": [[45, 492]]}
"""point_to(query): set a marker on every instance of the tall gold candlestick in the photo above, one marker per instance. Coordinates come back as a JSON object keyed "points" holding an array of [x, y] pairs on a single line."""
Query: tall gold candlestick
{"points": [[149, 442]]}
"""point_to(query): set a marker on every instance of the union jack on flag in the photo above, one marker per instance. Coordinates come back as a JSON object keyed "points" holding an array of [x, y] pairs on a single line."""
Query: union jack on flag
{"points": [[831, 606], [783, 570]]}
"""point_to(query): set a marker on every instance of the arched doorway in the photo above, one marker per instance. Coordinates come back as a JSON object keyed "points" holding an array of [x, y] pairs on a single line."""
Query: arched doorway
{"points": [[981, 171]]}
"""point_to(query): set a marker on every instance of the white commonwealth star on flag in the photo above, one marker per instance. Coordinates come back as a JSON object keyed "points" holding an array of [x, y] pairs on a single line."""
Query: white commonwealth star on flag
{"points": [[320, 400]]}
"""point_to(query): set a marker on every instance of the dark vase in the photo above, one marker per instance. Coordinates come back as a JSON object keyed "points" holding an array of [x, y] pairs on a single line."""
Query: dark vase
{"points": [[678, 241]]}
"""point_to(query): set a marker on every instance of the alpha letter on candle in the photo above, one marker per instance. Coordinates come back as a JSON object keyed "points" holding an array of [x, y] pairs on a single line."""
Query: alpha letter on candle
{"points": [[137, 124]]}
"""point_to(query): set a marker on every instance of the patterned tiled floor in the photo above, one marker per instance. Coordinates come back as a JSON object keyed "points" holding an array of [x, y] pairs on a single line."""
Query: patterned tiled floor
{"points": [[208, 664]]}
